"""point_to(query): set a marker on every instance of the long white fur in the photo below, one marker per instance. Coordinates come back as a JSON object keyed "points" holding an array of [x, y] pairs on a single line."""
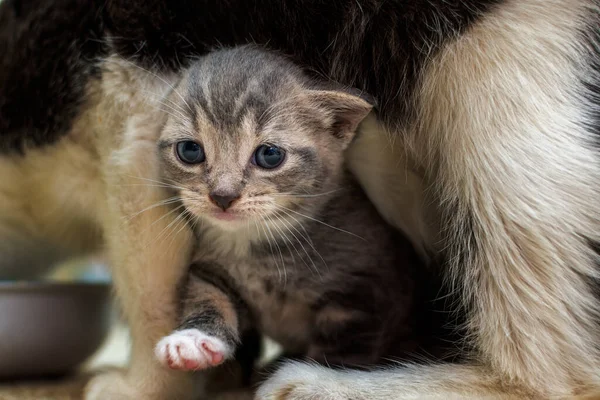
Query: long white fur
{"points": [[501, 137]]}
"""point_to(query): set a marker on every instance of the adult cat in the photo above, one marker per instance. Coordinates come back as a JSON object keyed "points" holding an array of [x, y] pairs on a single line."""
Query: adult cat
{"points": [[491, 105]]}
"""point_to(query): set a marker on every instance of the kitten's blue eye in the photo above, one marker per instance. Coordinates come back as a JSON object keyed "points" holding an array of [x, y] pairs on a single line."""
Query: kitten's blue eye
{"points": [[190, 152], [267, 156]]}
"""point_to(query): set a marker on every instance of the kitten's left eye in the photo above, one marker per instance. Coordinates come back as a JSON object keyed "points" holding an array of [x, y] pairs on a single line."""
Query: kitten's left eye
{"points": [[269, 157], [190, 152]]}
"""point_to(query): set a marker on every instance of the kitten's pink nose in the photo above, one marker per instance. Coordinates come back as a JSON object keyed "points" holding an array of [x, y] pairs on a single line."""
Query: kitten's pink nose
{"points": [[223, 199]]}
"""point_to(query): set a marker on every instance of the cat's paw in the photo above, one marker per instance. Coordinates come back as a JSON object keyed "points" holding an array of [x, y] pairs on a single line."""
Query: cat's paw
{"points": [[301, 381], [191, 350]]}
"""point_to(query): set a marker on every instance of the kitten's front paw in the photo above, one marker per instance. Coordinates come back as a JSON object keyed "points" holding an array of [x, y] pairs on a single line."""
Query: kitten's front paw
{"points": [[191, 350], [301, 381]]}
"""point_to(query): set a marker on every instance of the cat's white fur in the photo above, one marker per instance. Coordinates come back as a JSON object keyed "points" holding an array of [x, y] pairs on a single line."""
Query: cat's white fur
{"points": [[149, 245], [502, 132], [500, 138]]}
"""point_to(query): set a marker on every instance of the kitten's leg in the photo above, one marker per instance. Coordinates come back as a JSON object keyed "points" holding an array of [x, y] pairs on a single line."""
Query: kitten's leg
{"points": [[503, 129], [209, 330], [150, 249]]}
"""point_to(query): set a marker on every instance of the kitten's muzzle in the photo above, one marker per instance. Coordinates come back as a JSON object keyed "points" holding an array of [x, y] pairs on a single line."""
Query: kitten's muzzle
{"points": [[223, 200]]}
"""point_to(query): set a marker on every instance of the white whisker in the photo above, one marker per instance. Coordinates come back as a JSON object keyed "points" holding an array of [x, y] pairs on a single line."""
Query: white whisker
{"points": [[321, 222], [270, 247], [314, 266], [174, 107], [184, 224], [304, 195], [278, 248], [163, 80], [165, 202], [279, 103], [169, 213], [285, 238], [171, 184], [166, 229], [306, 237]]}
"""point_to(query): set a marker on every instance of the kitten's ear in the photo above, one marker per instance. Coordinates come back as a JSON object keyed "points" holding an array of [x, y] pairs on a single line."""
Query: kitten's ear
{"points": [[347, 110]]}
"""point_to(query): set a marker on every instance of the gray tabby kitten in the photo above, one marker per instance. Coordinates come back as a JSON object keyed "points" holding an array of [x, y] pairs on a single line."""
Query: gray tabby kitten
{"points": [[289, 244]]}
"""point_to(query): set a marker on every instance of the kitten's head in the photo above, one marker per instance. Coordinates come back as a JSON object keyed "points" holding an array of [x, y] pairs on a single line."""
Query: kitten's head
{"points": [[249, 137]]}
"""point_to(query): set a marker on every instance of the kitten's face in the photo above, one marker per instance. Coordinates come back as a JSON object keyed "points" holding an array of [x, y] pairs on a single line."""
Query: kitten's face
{"points": [[276, 159]]}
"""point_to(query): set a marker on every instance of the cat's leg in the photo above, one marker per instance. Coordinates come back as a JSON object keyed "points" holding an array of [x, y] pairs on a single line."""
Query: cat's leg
{"points": [[208, 333], [303, 381], [40, 224], [149, 244], [503, 129]]}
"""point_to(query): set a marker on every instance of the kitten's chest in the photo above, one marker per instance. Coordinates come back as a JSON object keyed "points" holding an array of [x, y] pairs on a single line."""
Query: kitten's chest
{"points": [[279, 286], [280, 300]]}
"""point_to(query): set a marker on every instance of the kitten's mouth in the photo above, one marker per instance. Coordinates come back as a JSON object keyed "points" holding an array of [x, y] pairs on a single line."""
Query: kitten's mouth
{"points": [[225, 216]]}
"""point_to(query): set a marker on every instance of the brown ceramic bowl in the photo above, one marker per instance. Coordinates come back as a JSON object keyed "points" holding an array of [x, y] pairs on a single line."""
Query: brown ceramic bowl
{"points": [[50, 328]]}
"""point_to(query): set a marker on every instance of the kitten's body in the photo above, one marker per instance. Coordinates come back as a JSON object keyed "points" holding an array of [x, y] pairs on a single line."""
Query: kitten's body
{"points": [[301, 254], [336, 298]]}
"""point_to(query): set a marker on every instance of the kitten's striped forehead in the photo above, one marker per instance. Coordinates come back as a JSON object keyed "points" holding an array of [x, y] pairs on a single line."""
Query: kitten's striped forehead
{"points": [[227, 88], [238, 101]]}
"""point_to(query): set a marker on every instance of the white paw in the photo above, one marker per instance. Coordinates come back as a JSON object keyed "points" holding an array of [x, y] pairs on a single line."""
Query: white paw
{"points": [[301, 381], [191, 350]]}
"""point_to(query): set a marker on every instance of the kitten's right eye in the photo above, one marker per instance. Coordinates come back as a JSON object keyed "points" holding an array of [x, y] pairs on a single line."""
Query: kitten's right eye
{"points": [[190, 152]]}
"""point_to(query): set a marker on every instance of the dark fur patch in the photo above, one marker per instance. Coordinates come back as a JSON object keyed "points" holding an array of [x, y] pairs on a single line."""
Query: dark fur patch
{"points": [[247, 353], [591, 81], [209, 319], [49, 50], [366, 44], [48, 54], [216, 276]]}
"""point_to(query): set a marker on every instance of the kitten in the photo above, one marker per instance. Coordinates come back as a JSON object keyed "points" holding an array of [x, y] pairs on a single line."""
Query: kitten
{"points": [[289, 242]]}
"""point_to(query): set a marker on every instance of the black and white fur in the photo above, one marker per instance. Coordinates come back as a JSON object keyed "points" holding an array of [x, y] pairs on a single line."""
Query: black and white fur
{"points": [[484, 150]]}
